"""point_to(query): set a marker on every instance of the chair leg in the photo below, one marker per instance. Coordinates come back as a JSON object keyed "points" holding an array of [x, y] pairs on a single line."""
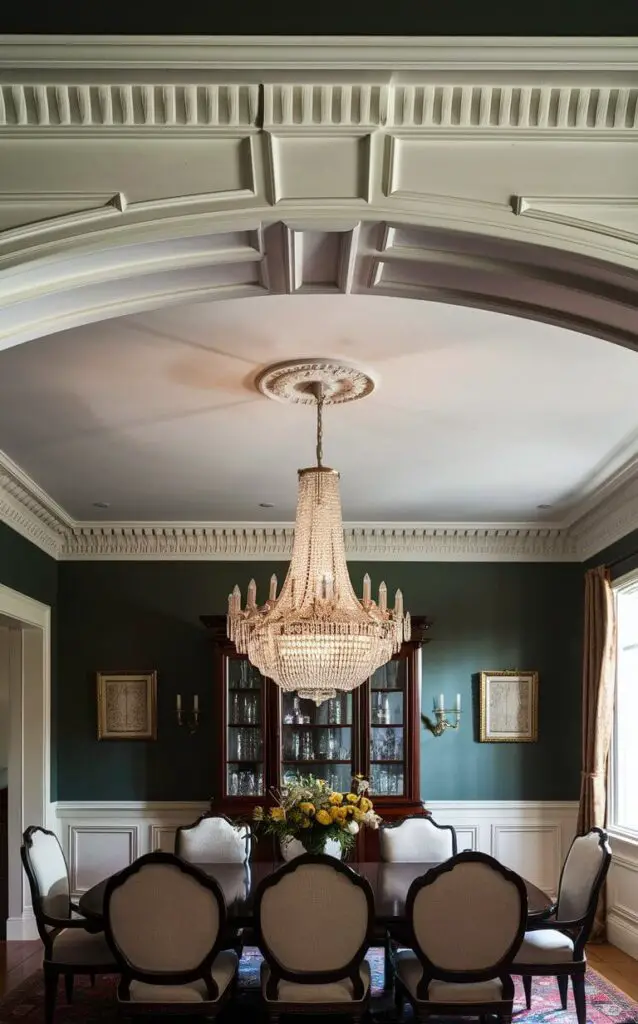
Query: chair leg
{"points": [[578, 985], [68, 987], [563, 986], [388, 967], [50, 993], [527, 988]]}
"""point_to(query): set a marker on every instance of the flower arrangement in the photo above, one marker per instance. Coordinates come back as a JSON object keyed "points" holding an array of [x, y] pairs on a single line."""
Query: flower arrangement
{"points": [[308, 810]]}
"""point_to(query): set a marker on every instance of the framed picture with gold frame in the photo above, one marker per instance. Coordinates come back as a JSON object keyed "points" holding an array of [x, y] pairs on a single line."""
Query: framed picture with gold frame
{"points": [[126, 705], [509, 707]]}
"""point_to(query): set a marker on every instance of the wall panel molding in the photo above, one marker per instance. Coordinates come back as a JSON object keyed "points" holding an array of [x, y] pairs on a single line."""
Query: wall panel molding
{"points": [[530, 836]]}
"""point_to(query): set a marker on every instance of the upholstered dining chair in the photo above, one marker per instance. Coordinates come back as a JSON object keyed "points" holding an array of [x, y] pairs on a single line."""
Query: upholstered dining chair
{"points": [[213, 839], [313, 919], [71, 944], [417, 840], [164, 921], [556, 945], [467, 919]]}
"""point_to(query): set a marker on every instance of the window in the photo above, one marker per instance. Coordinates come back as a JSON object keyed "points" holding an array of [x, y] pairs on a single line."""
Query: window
{"points": [[624, 791]]}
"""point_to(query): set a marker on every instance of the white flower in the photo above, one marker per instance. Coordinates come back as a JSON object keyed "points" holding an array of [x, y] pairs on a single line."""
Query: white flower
{"points": [[353, 827], [371, 819]]}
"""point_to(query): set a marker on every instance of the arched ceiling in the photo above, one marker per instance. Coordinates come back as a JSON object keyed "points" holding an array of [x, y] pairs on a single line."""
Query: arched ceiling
{"points": [[478, 417], [326, 187]]}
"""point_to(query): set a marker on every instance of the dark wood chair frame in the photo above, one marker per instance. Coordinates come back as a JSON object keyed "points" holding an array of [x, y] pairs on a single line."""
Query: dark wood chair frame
{"points": [[202, 972], [501, 970], [578, 930], [359, 1005], [398, 935], [50, 927]]}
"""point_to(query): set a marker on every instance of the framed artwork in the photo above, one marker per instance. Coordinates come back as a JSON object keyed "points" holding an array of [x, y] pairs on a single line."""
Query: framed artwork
{"points": [[127, 705], [509, 707]]}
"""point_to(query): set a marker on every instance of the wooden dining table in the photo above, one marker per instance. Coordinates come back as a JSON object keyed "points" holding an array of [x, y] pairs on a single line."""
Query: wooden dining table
{"points": [[239, 883]]}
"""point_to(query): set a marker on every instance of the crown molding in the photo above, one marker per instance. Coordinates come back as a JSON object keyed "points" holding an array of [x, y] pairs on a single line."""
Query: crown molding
{"points": [[390, 53], [29, 510]]}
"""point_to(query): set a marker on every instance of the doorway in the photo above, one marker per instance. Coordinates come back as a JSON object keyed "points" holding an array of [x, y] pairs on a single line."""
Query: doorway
{"points": [[25, 659]]}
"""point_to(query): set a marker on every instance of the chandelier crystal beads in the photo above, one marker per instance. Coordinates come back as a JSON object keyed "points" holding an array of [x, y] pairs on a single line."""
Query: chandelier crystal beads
{"points": [[316, 636]]}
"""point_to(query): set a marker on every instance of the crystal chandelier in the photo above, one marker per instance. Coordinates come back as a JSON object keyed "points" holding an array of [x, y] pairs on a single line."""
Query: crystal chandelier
{"points": [[317, 637]]}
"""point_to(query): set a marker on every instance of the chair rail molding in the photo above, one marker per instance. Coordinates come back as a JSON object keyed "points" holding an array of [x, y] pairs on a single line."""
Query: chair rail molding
{"points": [[531, 836]]}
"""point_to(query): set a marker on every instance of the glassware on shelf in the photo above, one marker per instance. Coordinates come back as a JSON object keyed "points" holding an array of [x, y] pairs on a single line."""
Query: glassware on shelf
{"points": [[307, 747]]}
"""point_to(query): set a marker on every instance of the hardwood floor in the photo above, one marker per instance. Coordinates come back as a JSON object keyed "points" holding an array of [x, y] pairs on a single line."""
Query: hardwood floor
{"points": [[20, 959]]}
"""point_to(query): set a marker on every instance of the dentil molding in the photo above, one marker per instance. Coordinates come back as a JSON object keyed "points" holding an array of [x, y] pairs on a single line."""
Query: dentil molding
{"points": [[27, 509]]}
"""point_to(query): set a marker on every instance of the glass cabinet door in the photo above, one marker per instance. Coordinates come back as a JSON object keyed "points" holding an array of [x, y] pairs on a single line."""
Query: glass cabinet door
{"points": [[387, 716], [317, 741], [245, 719]]}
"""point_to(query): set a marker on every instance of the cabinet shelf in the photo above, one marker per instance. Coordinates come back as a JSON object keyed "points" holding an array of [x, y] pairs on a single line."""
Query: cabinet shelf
{"points": [[244, 689], [244, 725], [315, 760], [314, 725]]}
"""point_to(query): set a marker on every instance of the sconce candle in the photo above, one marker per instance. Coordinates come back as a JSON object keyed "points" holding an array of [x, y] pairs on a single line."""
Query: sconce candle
{"points": [[178, 704], [196, 702], [442, 722]]}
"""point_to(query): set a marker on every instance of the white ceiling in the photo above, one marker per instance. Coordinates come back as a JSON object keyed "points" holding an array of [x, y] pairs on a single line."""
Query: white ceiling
{"points": [[478, 416]]}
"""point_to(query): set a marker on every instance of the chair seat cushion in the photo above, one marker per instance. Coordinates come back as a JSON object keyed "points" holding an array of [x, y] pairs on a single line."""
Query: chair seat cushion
{"points": [[76, 946], [545, 946], [333, 992], [223, 971], [409, 971]]}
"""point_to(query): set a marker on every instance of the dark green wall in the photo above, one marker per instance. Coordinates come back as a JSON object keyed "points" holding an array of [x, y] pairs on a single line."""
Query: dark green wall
{"points": [[119, 615], [27, 569]]}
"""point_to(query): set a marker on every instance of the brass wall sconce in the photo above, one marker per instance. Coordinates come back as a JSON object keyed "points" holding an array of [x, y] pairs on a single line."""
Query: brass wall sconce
{"points": [[442, 722], [188, 718]]}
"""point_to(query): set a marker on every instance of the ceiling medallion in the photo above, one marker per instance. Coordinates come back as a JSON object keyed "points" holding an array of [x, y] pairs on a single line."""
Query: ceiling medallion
{"points": [[317, 637]]}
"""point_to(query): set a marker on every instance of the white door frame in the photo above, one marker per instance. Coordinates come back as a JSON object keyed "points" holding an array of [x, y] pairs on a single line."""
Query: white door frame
{"points": [[29, 742]]}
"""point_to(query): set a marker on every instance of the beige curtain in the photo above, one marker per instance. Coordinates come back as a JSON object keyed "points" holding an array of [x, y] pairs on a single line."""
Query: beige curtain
{"points": [[599, 656]]}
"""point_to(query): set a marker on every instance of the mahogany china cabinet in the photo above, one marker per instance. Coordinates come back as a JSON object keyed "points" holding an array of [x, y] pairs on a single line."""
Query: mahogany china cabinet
{"points": [[266, 736]]}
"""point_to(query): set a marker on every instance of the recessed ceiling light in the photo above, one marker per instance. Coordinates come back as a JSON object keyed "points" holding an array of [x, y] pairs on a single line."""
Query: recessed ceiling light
{"points": [[101, 504], [543, 506], [266, 504]]}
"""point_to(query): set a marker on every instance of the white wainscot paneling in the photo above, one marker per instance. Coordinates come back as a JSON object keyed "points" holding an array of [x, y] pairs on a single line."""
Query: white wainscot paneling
{"points": [[103, 837], [622, 896], [532, 837], [97, 852]]}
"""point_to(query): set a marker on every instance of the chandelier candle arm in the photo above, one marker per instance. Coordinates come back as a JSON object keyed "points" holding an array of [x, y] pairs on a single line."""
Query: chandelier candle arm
{"points": [[317, 637]]}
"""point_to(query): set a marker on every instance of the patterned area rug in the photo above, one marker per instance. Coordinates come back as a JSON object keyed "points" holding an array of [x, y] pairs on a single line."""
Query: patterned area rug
{"points": [[24, 1005]]}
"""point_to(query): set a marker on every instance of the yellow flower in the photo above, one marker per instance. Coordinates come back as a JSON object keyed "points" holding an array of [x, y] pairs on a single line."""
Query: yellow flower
{"points": [[352, 798], [335, 798], [307, 807], [365, 804], [323, 818], [278, 814], [305, 823], [358, 815], [258, 814], [338, 813]]}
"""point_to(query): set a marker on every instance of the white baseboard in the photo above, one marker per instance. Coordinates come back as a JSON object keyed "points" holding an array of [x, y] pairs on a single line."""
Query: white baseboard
{"points": [[22, 929], [622, 931]]}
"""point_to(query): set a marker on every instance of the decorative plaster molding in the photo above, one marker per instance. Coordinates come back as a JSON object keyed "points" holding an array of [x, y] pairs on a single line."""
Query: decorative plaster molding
{"points": [[391, 53], [607, 522], [28, 510], [376, 542], [534, 106], [128, 105]]}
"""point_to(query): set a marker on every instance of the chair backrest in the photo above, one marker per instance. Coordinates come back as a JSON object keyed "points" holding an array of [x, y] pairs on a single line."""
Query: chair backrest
{"points": [[582, 877], [48, 875], [213, 839], [314, 919], [163, 919], [417, 840], [468, 918]]}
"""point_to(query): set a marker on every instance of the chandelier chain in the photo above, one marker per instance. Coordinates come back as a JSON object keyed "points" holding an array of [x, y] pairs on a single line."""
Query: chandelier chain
{"points": [[320, 401]]}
